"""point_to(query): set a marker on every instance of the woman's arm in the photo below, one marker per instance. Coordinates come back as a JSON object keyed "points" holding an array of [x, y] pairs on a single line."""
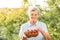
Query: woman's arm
{"points": [[21, 33], [45, 34], [23, 38]]}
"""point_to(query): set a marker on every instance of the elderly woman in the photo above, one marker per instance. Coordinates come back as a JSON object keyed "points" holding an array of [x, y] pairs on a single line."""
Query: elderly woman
{"points": [[34, 24]]}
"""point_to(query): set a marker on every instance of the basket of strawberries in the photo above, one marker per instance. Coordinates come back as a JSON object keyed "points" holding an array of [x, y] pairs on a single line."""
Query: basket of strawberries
{"points": [[31, 33]]}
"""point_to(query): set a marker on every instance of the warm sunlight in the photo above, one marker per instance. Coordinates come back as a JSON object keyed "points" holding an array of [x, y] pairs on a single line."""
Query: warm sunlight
{"points": [[10, 3], [18, 3]]}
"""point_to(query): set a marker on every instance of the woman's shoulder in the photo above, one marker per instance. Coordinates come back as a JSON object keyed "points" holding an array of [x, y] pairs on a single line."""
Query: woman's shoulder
{"points": [[41, 22], [24, 24]]}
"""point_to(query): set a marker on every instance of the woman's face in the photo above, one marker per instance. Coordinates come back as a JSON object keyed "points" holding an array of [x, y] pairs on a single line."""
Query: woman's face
{"points": [[33, 15]]}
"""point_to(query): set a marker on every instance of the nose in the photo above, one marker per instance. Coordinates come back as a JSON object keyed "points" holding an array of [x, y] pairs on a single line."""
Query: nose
{"points": [[33, 16]]}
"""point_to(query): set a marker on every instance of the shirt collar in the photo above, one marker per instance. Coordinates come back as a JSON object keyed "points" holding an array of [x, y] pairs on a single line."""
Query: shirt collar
{"points": [[34, 24]]}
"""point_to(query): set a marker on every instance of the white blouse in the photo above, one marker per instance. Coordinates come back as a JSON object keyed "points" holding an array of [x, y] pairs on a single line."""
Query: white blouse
{"points": [[27, 26]]}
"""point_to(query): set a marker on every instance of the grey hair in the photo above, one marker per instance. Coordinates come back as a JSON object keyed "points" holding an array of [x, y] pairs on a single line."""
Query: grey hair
{"points": [[33, 8]]}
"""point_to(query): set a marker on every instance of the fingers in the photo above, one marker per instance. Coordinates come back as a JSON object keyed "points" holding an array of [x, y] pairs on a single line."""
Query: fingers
{"points": [[39, 29]]}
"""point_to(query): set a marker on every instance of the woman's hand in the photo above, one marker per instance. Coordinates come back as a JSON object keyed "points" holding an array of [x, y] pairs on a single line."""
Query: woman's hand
{"points": [[39, 29], [45, 34], [27, 33], [23, 38]]}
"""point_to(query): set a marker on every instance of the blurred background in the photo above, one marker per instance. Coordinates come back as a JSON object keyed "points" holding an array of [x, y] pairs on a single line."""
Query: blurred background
{"points": [[13, 14]]}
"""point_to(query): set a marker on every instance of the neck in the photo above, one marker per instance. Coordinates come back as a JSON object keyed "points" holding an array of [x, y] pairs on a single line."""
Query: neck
{"points": [[32, 22]]}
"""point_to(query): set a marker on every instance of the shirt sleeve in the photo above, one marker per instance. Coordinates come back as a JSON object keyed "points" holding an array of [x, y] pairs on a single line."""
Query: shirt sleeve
{"points": [[21, 32], [44, 27]]}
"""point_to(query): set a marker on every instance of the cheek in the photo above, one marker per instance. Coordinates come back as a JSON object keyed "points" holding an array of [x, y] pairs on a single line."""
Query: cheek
{"points": [[37, 16], [30, 16]]}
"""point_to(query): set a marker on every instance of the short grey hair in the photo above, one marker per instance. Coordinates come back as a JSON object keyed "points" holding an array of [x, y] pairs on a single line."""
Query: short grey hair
{"points": [[33, 8]]}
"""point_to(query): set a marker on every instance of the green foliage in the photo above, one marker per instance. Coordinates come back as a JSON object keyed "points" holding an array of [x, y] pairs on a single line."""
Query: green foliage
{"points": [[10, 23]]}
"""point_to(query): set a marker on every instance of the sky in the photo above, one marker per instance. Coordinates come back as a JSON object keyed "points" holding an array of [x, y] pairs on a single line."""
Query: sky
{"points": [[10, 3], [18, 3]]}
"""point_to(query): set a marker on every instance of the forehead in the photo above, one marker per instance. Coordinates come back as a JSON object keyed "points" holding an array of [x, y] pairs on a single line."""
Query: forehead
{"points": [[34, 12]]}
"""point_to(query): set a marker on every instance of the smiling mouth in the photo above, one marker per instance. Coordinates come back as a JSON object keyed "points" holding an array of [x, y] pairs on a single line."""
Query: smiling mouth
{"points": [[33, 18]]}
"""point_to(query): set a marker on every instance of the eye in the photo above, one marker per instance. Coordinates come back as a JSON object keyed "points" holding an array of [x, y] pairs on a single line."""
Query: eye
{"points": [[35, 14], [32, 14]]}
